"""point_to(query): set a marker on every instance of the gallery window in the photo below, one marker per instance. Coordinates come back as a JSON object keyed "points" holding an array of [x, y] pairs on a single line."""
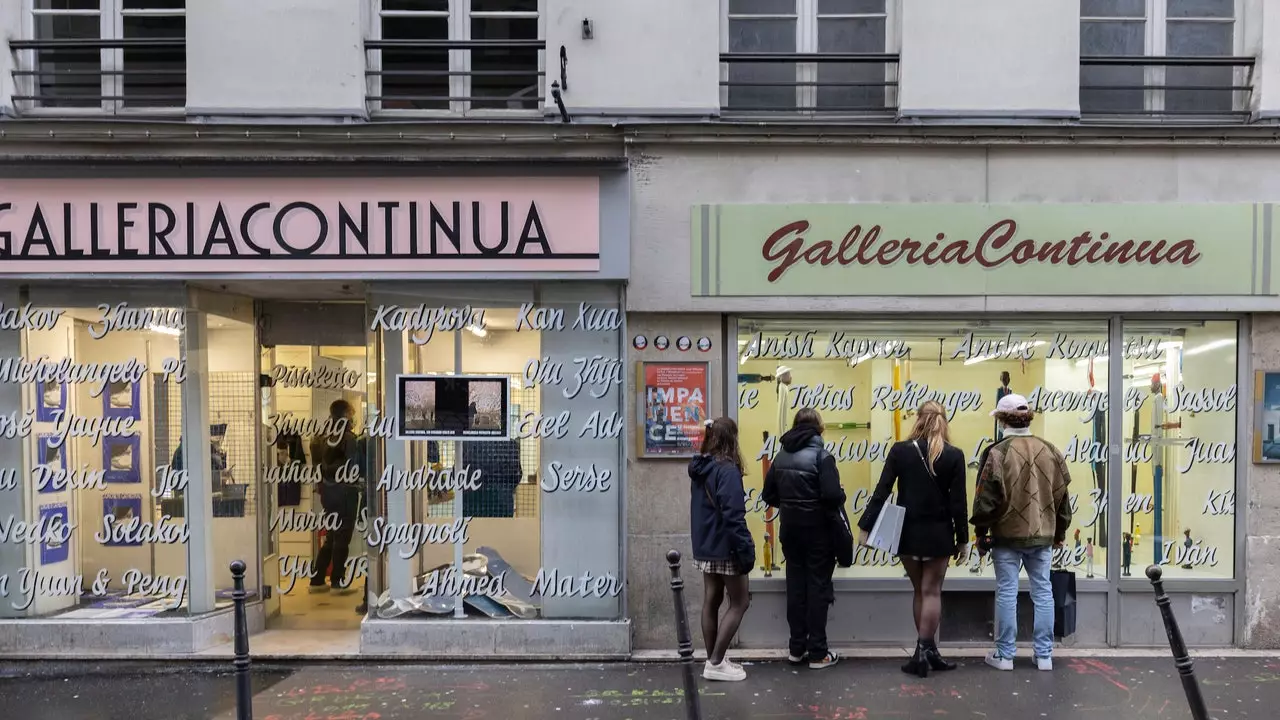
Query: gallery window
{"points": [[502, 423], [867, 379], [1163, 58], [830, 56], [456, 56], [106, 55]]}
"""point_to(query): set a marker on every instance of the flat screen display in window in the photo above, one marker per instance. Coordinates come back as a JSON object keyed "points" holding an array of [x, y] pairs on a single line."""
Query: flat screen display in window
{"points": [[446, 407]]}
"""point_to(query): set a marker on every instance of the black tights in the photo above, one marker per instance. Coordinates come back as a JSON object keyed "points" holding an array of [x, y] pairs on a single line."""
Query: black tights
{"points": [[926, 580], [717, 633]]}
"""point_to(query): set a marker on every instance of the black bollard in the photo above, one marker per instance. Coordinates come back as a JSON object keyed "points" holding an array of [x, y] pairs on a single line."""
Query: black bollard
{"points": [[1181, 658], [244, 687], [692, 701]]}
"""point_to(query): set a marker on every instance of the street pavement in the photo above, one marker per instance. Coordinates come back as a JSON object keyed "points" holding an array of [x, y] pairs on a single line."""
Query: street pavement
{"points": [[1099, 688]]}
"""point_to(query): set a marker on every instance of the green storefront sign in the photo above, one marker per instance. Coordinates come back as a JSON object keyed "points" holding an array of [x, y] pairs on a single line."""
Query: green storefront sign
{"points": [[954, 249]]}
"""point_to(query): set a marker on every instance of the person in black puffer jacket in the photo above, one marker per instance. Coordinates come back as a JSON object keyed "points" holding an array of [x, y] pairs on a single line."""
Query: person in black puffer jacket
{"points": [[722, 546], [804, 485]]}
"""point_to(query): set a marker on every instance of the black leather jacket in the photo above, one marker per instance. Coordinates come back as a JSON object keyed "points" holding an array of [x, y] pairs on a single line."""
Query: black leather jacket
{"points": [[803, 481]]}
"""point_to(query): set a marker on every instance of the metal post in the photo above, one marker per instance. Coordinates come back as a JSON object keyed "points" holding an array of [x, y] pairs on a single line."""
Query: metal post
{"points": [[244, 688], [1181, 658], [692, 701]]}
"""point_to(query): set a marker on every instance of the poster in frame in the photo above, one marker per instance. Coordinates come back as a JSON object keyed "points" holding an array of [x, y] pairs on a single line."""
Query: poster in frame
{"points": [[673, 408], [53, 458], [122, 400], [121, 509], [1266, 418], [453, 407], [50, 399], [120, 459], [55, 550]]}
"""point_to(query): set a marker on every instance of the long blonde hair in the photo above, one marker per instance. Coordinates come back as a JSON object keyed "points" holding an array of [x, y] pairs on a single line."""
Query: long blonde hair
{"points": [[931, 426]]}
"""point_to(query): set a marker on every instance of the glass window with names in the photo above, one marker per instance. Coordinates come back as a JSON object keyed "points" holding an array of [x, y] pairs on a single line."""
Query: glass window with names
{"points": [[868, 378], [524, 524]]}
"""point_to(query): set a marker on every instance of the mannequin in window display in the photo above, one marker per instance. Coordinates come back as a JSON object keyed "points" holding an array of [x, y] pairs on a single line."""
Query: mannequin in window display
{"points": [[1127, 551], [219, 472], [1001, 391], [1088, 557], [1187, 543]]}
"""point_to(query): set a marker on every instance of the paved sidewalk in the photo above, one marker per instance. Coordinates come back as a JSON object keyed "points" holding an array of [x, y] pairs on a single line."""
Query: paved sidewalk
{"points": [[1127, 688]]}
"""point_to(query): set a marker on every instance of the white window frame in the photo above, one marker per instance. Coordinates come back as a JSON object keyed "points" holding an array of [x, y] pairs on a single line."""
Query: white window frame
{"points": [[460, 16], [111, 15], [807, 19], [1155, 44]]}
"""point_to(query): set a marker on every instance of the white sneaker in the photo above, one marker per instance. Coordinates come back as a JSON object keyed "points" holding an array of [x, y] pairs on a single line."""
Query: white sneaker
{"points": [[1000, 663], [725, 671], [825, 662], [1044, 663]]}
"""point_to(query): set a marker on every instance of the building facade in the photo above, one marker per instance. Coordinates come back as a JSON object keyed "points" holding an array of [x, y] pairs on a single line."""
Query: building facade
{"points": [[533, 244]]}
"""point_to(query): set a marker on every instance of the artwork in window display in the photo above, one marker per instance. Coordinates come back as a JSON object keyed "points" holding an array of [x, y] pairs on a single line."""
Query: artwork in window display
{"points": [[120, 459], [55, 546], [673, 408], [868, 378], [51, 456], [122, 400], [450, 407], [1266, 426], [50, 398], [121, 509]]}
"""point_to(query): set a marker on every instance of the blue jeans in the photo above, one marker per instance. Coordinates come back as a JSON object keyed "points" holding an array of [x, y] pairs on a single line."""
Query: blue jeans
{"points": [[1037, 561]]}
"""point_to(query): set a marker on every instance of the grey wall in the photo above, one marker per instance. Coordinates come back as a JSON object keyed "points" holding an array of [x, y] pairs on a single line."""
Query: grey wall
{"points": [[1262, 549], [658, 492]]}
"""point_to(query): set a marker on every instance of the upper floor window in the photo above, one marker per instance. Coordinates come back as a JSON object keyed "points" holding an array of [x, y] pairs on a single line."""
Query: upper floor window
{"points": [[1162, 58], [829, 56], [103, 55], [456, 55]]}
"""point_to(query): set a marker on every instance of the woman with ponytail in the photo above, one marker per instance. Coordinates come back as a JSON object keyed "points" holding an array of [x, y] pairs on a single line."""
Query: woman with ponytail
{"points": [[930, 477]]}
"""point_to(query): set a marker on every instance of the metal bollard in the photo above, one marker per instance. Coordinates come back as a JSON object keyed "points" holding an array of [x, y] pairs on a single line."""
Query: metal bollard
{"points": [[244, 687], [692, 701], [1181, 658]]}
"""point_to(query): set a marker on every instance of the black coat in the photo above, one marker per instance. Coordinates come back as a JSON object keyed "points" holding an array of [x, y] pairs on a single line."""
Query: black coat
{"points": [[718, 513], [937, 510], [803, 482]]}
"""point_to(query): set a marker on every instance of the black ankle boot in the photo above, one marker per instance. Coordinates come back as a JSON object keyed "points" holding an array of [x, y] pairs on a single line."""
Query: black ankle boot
{"points": [[935, 660], [918, 664]]}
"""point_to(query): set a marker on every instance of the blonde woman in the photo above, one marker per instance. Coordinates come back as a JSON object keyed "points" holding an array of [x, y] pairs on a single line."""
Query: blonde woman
{"points": [[930, 476]]}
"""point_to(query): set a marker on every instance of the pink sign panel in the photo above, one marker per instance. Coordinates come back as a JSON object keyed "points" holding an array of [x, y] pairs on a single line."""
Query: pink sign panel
{"points": [[237, 225]]}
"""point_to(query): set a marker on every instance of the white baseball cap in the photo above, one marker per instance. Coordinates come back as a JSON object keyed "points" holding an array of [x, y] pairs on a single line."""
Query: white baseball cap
{"points": [[1011, 403]]}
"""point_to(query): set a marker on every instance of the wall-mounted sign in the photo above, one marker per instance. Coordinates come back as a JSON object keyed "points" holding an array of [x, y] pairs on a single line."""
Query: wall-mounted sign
{"points": [[975, 249], [453, 407], [300, 225], [673, 408]]}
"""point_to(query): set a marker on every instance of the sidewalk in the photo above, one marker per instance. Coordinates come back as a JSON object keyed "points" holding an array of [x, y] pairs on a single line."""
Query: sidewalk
{"points": [[1096, 688]]}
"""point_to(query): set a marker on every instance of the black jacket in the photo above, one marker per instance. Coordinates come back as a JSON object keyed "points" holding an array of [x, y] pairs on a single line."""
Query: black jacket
{"points": [[937, 509], [803, 481], [718, 513]]}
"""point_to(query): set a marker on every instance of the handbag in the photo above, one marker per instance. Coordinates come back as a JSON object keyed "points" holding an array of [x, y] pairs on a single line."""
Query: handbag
{"points": [[744, 558], [1064, 602]]}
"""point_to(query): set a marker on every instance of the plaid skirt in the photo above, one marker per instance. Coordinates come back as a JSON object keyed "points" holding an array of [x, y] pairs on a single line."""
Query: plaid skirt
{"points": [[717, 567]]}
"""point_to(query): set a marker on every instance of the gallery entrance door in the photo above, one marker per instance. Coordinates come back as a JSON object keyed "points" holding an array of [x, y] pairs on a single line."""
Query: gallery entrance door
{"points": [[314, 393]]}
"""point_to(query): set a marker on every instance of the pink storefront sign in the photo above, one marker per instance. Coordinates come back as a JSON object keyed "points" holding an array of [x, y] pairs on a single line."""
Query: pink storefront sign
{"points": [[355, 225]]}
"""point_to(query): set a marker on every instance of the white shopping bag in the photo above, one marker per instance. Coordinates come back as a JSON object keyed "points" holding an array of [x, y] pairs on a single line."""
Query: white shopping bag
{"points": [[887, 531]]}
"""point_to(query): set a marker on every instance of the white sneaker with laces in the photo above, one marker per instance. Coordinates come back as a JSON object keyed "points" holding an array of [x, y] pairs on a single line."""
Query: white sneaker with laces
{"points": [[995, 660], [825, 662], [725, 671], [1044, 663]]}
